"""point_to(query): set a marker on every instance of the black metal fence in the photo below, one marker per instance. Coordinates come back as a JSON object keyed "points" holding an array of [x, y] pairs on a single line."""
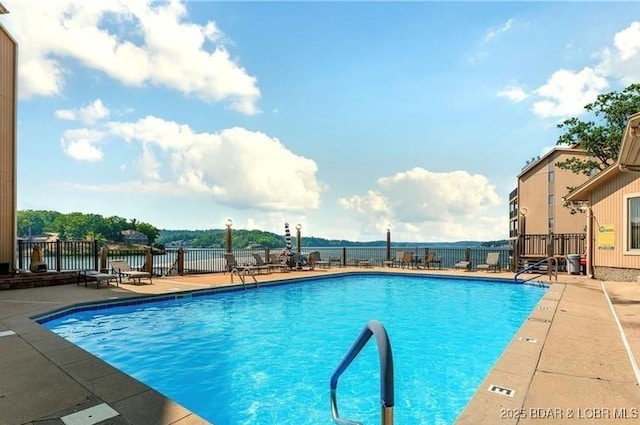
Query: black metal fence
{"points": [[83, 255], [59, 255]]}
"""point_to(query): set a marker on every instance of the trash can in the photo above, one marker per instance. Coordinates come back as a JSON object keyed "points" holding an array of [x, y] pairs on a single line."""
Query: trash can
{"points": [[573, 263], [4, 268]]}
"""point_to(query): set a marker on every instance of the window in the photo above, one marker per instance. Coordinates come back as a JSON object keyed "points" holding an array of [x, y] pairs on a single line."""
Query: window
{"points": [[550, 176], [633, 223], [551, 223], [550, 199]]}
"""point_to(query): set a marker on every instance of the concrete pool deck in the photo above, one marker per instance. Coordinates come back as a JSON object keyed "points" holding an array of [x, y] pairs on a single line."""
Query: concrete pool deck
{"points": [[567, 364]]}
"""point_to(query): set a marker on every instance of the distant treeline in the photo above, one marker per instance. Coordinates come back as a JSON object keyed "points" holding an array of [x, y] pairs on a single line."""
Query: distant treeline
{"points": [[80, 226], [258, 238], [216, 238]]}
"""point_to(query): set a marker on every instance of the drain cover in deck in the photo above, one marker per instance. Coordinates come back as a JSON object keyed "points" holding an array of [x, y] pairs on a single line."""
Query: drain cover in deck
{"points": [[501, 390]]}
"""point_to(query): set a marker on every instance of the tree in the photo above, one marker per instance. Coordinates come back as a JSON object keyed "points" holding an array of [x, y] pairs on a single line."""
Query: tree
{"points": [[600, 139], [150, 231]]}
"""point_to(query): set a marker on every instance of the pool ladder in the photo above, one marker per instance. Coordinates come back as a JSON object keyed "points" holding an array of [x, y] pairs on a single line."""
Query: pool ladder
{"points": [[373, 327], [242, 274], [552, 271]]}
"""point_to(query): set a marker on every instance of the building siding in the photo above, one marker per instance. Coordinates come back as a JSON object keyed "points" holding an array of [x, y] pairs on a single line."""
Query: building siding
{"points": [[8, 57], [608, 208], [534, 189]]}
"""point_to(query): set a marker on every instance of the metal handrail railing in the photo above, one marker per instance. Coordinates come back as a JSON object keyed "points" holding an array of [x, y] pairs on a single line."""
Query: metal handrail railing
{"points": [[373, 327], [553, 271], [241, 274]]}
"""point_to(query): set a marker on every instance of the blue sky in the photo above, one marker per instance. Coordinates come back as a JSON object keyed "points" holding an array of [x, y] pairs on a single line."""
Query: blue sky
{"points": [[345, 117]]}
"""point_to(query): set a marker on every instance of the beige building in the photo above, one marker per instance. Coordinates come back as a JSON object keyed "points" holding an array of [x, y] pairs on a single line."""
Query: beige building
{"points": [[8, 122], [541, 187], [613, 219], [539, 223]]}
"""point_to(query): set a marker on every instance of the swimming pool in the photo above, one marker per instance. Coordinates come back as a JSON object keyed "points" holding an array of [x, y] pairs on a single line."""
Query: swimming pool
{"points": [[265, 356]]}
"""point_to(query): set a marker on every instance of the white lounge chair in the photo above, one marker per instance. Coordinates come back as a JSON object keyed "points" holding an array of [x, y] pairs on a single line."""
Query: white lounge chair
{"points": [[122, 268], [92, 275], [492, 262], [466, 265]]}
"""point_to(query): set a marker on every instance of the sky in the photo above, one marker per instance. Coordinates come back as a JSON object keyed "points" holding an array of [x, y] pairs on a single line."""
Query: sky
{"points": [[346, 117]]}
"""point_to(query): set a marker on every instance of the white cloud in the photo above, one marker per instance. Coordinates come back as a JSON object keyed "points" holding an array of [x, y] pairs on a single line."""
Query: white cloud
{"points": [[622, 61], [423, 205], [496, 31], [236, 167], [82, 144], [65, 114], [515, 94], [88, 114], [627, 41], [566, 92], [164, 49]]}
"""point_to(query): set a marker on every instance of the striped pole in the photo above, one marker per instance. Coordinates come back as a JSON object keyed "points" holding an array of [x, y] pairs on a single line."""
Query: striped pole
{"points": [[287, 237]]}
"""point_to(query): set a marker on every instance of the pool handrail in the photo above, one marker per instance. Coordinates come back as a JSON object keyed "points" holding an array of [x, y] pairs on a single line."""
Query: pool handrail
{"points": [[373, 327], [242, 274], [551, 272]]}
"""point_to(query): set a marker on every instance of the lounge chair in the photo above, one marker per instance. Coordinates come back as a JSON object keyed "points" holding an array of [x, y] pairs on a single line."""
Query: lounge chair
{"points": [[335, 260], [232, 265], [267, 266], [365, 263], [397, 262], [122, 268], [314, 258], [97, 277], [466, 265], [431, 259], [492, 262], [275, 261], [407, 259]]}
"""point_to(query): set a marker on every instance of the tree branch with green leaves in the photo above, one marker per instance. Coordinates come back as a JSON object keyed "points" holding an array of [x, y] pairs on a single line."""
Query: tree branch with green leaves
{"points": [[600, 138]]}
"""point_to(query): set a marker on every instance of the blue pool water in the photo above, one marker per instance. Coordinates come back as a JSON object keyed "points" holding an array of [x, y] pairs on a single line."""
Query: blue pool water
{"points": [[264, 356]]}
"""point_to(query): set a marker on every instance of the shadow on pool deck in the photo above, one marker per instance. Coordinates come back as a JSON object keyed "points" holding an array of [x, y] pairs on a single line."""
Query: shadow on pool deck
{"points": [[576, 370]]}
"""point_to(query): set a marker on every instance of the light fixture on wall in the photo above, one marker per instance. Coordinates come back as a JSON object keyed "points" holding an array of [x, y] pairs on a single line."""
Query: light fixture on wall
{"points": [[522, 222]]}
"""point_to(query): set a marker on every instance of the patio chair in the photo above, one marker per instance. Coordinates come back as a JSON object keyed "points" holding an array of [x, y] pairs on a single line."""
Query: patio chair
{"points": [[260, 264], [275, 261], [492, 262], [365, 263], [97, 277], [232, 265], [397, 262], [431, 259], [466, 265], [314, 258], [122, 268], [407, 259]]}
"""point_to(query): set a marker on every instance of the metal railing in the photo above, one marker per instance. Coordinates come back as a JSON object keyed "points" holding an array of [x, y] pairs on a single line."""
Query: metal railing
{"points": [[60, 255], [242, 274], [552, 244], [373, 327], [87, 255], [536, 266]]}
